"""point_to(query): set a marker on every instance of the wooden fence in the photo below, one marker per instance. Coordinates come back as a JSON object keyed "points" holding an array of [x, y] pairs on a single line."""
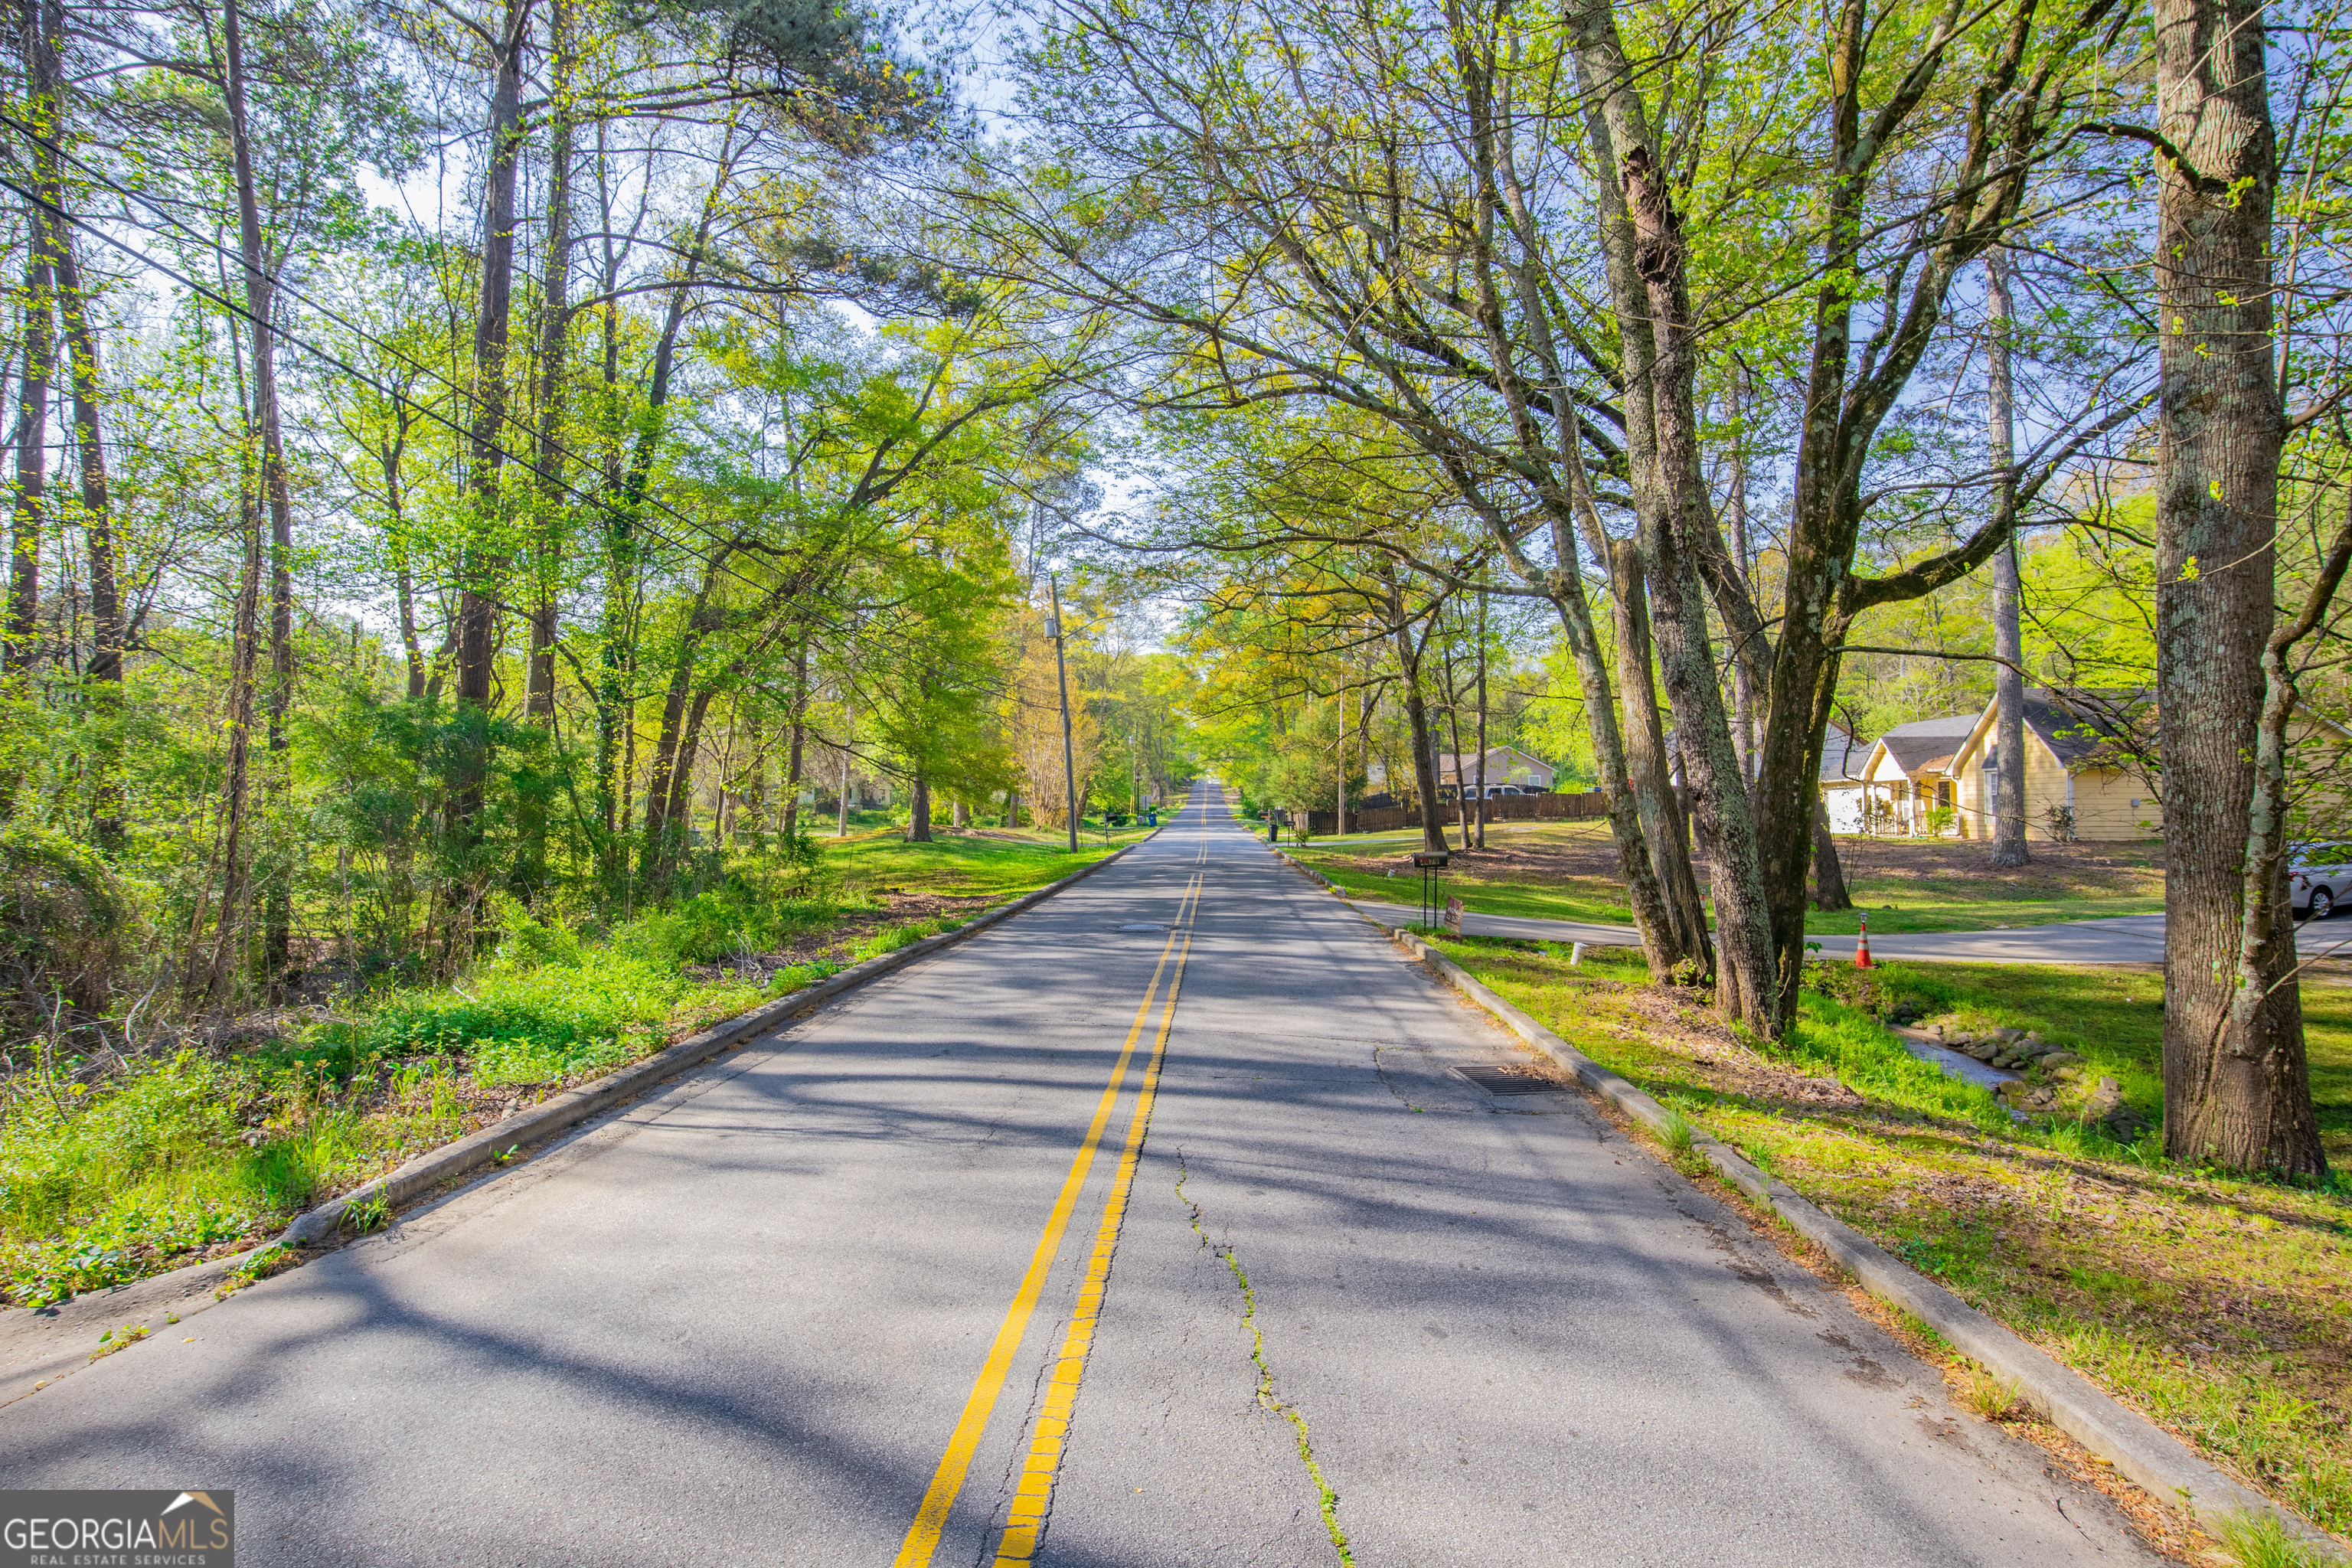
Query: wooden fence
{"points": [[1500, 808]]}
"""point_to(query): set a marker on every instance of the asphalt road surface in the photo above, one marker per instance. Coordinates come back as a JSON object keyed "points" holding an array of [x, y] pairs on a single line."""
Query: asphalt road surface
{"points": [[907, 1283]]}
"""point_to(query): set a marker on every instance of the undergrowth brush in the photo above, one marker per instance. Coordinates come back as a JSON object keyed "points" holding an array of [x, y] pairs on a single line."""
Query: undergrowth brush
{"points": [[169, 1160]]}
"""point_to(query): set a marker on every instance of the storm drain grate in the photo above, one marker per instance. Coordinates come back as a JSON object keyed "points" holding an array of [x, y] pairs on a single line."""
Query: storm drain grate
{"points": [[1508, 1080]]}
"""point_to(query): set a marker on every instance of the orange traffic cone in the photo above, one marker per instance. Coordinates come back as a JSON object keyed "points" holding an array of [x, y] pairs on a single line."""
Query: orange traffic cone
{"points": [[1861, 948]]}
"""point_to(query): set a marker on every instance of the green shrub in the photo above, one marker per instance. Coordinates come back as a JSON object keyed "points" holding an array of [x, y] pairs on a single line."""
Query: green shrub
{"points": [[532, 1062], [153, 1162], [69, 925], [784, 981], [153, 1120], [609, 995], [734, 917], [526, 941]]}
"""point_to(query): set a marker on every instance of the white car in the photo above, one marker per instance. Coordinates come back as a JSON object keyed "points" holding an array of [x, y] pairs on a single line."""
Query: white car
{"points": [[2318, 879]]}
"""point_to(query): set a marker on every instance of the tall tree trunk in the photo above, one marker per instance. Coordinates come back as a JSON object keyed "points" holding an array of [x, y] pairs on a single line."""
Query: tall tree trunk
{"points": [[918, 819], [2237, 1086], [798, 739], [661, 829], [1339, 766], [215, 983], [1649, 771], [481, 564], [1416, 716], [627, 487], [1747, 972], [1743, 681], [554, 335], [102, 679], [547, 459], [1482, 720], [32, 434], [677, 809], [1454, 727], [2007, 640], [104, 676], [390, 457], [1829, 872], [751, 794], [260, 303], [1363, 747]]}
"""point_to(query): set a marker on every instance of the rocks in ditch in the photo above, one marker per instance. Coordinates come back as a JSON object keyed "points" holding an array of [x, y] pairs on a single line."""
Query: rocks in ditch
{"points": [[2019, 1095], [2106, 1109]]}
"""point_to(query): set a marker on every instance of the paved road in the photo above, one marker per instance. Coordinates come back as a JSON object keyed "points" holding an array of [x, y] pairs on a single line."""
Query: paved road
{"points": [[1339, 1290], [2126, 939]]}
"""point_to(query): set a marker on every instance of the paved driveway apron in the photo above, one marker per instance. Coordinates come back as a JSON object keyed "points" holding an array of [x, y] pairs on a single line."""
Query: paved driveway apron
{"points": [[908, 1284]]}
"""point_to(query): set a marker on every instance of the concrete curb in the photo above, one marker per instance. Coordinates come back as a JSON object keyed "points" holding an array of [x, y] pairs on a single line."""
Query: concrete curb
{"points": [[2141, 1451], [79, 1320]]}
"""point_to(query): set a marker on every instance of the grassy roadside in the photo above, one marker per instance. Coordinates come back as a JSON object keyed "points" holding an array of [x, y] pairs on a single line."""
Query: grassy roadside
{"points": [[1566, 871], [2221, 1308], [111, 1172]]}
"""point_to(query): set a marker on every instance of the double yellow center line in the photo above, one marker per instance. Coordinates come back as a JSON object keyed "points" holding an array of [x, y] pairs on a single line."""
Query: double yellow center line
{"points": [[1018, 1542]]}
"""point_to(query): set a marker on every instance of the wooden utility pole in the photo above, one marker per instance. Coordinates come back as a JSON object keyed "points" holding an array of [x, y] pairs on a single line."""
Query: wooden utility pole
{"points": [[1062, 680]]}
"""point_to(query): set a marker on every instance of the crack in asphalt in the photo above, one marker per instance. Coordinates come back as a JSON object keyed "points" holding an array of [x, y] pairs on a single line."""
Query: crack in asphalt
{"points": [[1328, 1496]]}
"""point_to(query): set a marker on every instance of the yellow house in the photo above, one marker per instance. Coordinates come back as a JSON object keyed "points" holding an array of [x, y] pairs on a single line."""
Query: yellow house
{"points": [[1906, 783], [2084, 773]]}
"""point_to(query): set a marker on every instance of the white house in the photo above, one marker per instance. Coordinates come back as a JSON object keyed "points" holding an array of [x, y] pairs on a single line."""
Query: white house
{"points": [[1842, 760]]}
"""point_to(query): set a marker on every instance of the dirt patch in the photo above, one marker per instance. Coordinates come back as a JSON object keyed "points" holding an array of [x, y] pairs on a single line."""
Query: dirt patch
{"points": [[1682, 1022]]}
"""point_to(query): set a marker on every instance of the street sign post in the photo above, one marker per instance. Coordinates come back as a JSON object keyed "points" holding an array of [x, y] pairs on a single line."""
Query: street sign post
{"points": [[1429, 863]]}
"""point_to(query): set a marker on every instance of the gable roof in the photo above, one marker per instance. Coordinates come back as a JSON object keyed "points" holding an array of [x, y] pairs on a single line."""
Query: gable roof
{"points": [[1923, 744], [2082, 728], [1842, 757]]}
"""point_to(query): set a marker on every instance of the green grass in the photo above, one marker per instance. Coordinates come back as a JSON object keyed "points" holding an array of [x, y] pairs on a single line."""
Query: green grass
{"points": [[1903, 886], [106, 1183], [2113, 1019], [1586, 899], [2220, 1306], [959, 865]]}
